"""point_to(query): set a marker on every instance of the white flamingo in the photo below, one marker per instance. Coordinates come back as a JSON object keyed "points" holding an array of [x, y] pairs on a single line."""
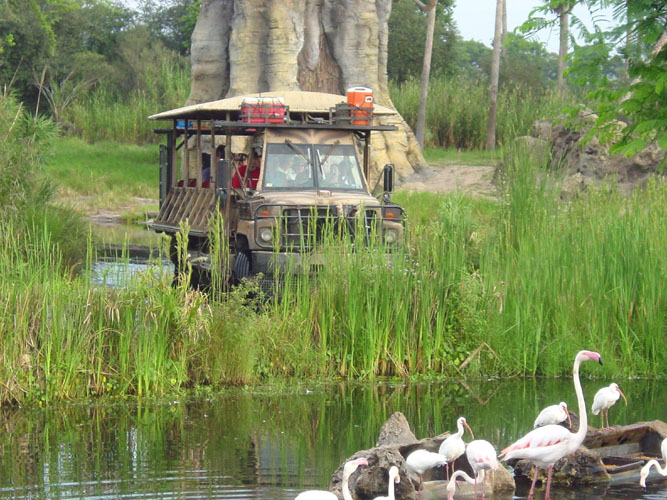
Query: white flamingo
{"points": [[604, 399], [348, 470], [419, 461], [544, 446], [394, 478], [554, 414], [451, 485], [481, 456], [654, 463], [453, 447]]}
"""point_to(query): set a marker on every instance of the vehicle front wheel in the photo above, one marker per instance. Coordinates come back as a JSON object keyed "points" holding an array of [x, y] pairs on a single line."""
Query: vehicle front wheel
{"points": [[241, 269]]}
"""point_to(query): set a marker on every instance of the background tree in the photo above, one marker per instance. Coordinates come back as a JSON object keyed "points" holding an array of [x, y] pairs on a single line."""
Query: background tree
{"points": [[426, 68], [495, 73], [407, 40], [170, 21], [244, 46]]}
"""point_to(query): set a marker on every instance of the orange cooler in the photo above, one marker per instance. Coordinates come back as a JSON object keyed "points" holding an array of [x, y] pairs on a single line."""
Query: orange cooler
{"points": [[360, 99]]}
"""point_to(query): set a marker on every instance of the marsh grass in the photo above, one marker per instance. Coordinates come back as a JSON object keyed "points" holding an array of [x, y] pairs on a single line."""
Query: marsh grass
{"points": [[106, 115], [532, 276], [457, 111]]}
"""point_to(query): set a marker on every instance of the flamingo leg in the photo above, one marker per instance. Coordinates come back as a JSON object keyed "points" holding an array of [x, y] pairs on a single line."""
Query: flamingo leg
{"points": [[421, 482], [483, 485], [447, 470], [532, 486], [547, 495], [475, 486]]}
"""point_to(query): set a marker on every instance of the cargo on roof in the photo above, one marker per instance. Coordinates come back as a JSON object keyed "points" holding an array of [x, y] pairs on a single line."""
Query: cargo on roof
{"points": [[297, 101]]}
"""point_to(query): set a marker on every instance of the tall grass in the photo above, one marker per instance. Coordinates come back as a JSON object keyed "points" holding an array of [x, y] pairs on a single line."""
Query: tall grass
{"points": [[510, 287], [104, 115], [458, 109]]}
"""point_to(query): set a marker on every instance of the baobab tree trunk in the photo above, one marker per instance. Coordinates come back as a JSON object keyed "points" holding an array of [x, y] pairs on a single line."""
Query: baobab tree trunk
{"points": [[426, 69], [247, 46], [495, 73]]}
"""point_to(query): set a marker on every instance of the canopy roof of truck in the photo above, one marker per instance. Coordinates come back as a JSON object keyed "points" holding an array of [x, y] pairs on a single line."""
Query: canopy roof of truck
{"points": [[297, 101]]}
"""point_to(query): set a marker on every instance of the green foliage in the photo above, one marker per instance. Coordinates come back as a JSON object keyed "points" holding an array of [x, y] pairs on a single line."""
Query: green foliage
{"points": [[407, 37], [171, 21], [638, 98], [55, 38], [458, 115]]}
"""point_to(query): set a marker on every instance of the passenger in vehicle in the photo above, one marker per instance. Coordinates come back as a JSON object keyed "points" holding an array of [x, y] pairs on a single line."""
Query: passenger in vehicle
{"points": [[251, 177]]}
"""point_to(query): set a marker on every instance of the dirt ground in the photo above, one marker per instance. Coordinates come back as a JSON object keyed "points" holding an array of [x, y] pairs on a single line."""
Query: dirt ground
{"points": [[470, 179]]}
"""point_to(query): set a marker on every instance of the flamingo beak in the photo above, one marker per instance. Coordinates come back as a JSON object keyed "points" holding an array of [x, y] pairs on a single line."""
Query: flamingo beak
{"points": [[397, 479], [469, 430], [621, 393]]}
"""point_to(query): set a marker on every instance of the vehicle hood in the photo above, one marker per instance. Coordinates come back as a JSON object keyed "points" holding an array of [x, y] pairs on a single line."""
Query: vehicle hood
{"points": [[318, 198]]}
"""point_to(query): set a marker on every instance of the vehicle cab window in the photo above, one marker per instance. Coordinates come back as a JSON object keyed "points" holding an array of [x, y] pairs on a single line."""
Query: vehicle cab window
{"points": [[338, 167], [288, 167]]}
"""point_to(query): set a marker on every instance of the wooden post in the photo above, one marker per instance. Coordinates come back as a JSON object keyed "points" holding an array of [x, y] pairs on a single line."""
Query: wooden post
{"points": [[185, 172], [367, 157], [214, 157], [228, 187], [199, 163]]}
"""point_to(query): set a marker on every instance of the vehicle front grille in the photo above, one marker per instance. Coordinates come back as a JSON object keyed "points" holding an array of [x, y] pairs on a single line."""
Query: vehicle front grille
{"points": [[303, 228]]}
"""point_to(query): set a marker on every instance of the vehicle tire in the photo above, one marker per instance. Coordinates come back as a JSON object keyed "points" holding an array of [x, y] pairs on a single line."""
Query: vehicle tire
{"points": [[241, 268]]}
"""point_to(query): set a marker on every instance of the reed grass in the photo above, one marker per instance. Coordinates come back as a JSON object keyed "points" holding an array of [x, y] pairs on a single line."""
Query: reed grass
{"points": [[513, 286], [458, 108], [106, 115]]}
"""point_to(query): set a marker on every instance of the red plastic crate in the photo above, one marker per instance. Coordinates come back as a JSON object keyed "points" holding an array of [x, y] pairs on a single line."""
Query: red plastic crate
{"points": [[263, 110]]}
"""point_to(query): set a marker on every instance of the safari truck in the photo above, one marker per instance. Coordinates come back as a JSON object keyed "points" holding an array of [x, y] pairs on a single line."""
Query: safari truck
{"points": [[277, 166]]}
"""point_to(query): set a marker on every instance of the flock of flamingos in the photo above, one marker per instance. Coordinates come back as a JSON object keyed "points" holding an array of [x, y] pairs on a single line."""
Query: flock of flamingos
{"points": [[543, 446]]}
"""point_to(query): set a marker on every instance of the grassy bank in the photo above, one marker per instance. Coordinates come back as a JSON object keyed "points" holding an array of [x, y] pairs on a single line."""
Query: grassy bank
{"points": [[102, 175], [531, 277]]}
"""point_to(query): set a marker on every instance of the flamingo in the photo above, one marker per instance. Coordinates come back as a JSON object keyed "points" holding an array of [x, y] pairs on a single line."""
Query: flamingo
{"points": [[451, 485], [604, 399], [554, 414], [394, 478], [645, 470], [453, 447], [419, 461], [481, 456], [544, 446], [348, 470]]}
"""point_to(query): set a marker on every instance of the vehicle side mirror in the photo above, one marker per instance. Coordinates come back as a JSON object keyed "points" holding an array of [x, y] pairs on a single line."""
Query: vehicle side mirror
{"points": [[388, 178]]}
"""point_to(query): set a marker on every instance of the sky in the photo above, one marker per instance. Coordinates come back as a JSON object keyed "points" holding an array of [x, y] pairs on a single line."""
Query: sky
{"points": [[476, 19]]}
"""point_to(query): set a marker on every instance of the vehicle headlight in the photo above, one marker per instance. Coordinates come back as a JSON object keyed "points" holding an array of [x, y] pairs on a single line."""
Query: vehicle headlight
{"points": [[266, 234], [390, 236]]}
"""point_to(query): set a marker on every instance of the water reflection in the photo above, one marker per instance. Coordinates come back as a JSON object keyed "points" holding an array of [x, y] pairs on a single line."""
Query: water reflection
{"points": [[270, 444]]}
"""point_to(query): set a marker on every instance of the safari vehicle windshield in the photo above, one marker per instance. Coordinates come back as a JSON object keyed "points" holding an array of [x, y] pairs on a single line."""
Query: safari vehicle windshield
{"points": [[305, 166]]}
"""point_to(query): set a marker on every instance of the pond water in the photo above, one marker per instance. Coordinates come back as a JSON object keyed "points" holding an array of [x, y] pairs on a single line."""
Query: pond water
{"points": [[272, 443]]}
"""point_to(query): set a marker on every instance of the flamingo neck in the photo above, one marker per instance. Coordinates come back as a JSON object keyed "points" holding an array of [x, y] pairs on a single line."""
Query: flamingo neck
{"points": [[391, 488], [656, 464], [583, 417], [346, 488], [465, 477]]}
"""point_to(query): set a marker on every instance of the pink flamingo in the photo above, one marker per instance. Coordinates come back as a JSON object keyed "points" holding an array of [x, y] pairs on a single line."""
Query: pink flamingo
{"points": [[481, 456], [451, 485], [394, 478], [654, 463], [348, 470], [544, 446]]}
